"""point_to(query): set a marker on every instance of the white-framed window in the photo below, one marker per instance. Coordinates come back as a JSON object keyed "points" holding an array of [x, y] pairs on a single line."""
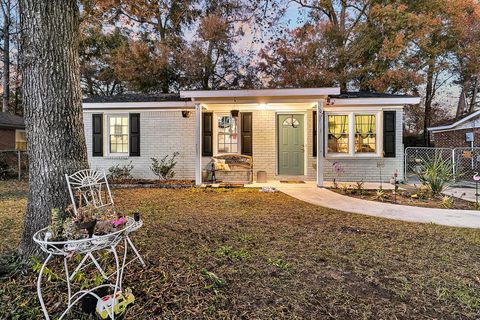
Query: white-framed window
{"points": [[365, 133], [355, 133], [118, 134], [227, 134], [338, 133], [20, 140]]}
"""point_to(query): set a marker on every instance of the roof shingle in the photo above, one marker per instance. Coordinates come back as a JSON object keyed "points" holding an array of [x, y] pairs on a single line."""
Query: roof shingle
{"points": [[135, 97], [8, 120]]}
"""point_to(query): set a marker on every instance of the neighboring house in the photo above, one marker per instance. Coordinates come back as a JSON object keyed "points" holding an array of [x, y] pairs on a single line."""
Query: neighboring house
{"points": [[12, 132], [459, 132], [289, 133]]}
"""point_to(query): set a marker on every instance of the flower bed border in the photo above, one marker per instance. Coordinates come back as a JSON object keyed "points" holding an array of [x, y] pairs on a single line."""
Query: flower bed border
{"points": [[151, 186], [350, 195]]}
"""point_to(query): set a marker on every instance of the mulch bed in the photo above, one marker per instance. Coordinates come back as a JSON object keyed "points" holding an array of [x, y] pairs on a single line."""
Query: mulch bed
{"points": [[151, 183], [404, 197]]}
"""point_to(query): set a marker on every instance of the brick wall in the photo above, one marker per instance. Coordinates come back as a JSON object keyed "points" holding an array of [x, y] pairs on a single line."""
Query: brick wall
{"points": [[455, 138], [7, 139], [264, 143], [162, 133]]}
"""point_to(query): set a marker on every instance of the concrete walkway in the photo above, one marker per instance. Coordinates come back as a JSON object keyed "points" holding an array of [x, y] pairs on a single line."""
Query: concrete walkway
{"points": [[309, 192], [467, 194]]}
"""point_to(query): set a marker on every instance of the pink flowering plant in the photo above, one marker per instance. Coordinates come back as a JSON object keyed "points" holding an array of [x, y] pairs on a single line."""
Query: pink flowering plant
{"points": [[337, 167], [119, 222]]}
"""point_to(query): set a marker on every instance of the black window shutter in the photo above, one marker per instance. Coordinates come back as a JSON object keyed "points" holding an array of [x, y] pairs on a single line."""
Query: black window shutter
{"points": [[97, 135], [134, 134], [389, 134], [247, 133], [314, 133], [207, 134]]}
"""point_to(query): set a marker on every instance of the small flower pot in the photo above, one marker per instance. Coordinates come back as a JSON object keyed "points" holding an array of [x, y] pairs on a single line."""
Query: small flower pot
{"points": [[89, 226], [136, 216]]}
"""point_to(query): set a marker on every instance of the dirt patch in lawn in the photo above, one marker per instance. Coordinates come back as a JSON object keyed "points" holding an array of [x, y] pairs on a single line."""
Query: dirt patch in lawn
{"points": [[404, 197], [241, 253]]}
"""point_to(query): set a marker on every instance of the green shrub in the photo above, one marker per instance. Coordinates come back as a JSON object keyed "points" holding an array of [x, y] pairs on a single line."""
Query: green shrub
{"points": [[163, 168], [436, 174], [120, 172]]}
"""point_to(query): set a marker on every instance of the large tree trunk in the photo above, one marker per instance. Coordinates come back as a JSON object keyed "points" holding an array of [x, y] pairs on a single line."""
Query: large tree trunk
{"points": [[473, 100], [6, 56], [429, 93], [53, 107], [461, 106]]}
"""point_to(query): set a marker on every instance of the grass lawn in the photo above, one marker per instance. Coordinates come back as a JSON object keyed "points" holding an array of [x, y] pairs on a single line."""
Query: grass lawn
{"points": [[273, 257]]}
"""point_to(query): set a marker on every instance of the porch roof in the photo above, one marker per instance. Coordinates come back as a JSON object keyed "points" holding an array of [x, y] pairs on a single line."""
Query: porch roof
{"points": [[259, 95]]}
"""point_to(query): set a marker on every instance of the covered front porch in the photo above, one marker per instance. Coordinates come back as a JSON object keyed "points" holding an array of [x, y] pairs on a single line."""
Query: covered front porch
{"points": [[276, 128]]}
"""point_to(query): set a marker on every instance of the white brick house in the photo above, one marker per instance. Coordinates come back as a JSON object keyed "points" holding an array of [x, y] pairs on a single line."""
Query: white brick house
{"points": [[278, 128]]}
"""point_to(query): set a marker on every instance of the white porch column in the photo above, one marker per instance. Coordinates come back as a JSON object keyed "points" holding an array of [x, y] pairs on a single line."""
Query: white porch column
{"points": [[320, 144], [198, 144]]}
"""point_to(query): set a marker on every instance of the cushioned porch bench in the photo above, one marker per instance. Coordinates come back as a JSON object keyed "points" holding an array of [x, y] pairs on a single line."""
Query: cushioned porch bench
{"points": [[230, 168]]}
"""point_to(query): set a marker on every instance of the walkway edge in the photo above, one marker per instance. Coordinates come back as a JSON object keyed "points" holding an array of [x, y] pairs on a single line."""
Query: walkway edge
{"points": [[329, 199]]}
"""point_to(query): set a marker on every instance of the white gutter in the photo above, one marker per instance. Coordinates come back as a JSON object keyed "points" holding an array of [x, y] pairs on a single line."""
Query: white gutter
{"points": [[259, 93], [138, 105], [397, 101], [453, 125]]}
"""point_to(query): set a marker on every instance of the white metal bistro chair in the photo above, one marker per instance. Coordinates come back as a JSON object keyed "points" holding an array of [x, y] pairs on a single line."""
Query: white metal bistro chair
{"points": [[90, 187]]}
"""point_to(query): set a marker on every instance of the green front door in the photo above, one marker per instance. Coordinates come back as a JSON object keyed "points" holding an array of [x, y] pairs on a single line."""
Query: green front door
{"points": [[291, 144]]}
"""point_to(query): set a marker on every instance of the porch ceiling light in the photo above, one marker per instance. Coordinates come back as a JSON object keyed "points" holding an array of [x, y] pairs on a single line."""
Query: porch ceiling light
{"points": [[263, 106]]}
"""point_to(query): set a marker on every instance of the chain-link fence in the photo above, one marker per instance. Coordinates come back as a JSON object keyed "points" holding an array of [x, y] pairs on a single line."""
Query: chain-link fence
{"points": [[13, 164], [465, 162], [415, 157]]}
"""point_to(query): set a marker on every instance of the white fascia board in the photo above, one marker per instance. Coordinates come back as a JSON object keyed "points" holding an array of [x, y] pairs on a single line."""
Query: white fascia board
{"points": [[453, 125], [376, 101], [259, 93], [455, 129], [360, 108], [138, 105]]}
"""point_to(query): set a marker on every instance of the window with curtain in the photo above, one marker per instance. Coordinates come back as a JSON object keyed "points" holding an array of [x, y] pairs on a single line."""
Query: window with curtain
{"points": [[365, 133], [118, 134], [338, 134], [227, 134], [20, 140]]}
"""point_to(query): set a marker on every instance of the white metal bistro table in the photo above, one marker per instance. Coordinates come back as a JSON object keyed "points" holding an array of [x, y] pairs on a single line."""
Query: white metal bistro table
{"points": [[87, 247]]}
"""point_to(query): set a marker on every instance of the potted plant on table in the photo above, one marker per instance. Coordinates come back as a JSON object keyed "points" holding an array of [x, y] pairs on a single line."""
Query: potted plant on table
{"points": [[86, 218]]}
